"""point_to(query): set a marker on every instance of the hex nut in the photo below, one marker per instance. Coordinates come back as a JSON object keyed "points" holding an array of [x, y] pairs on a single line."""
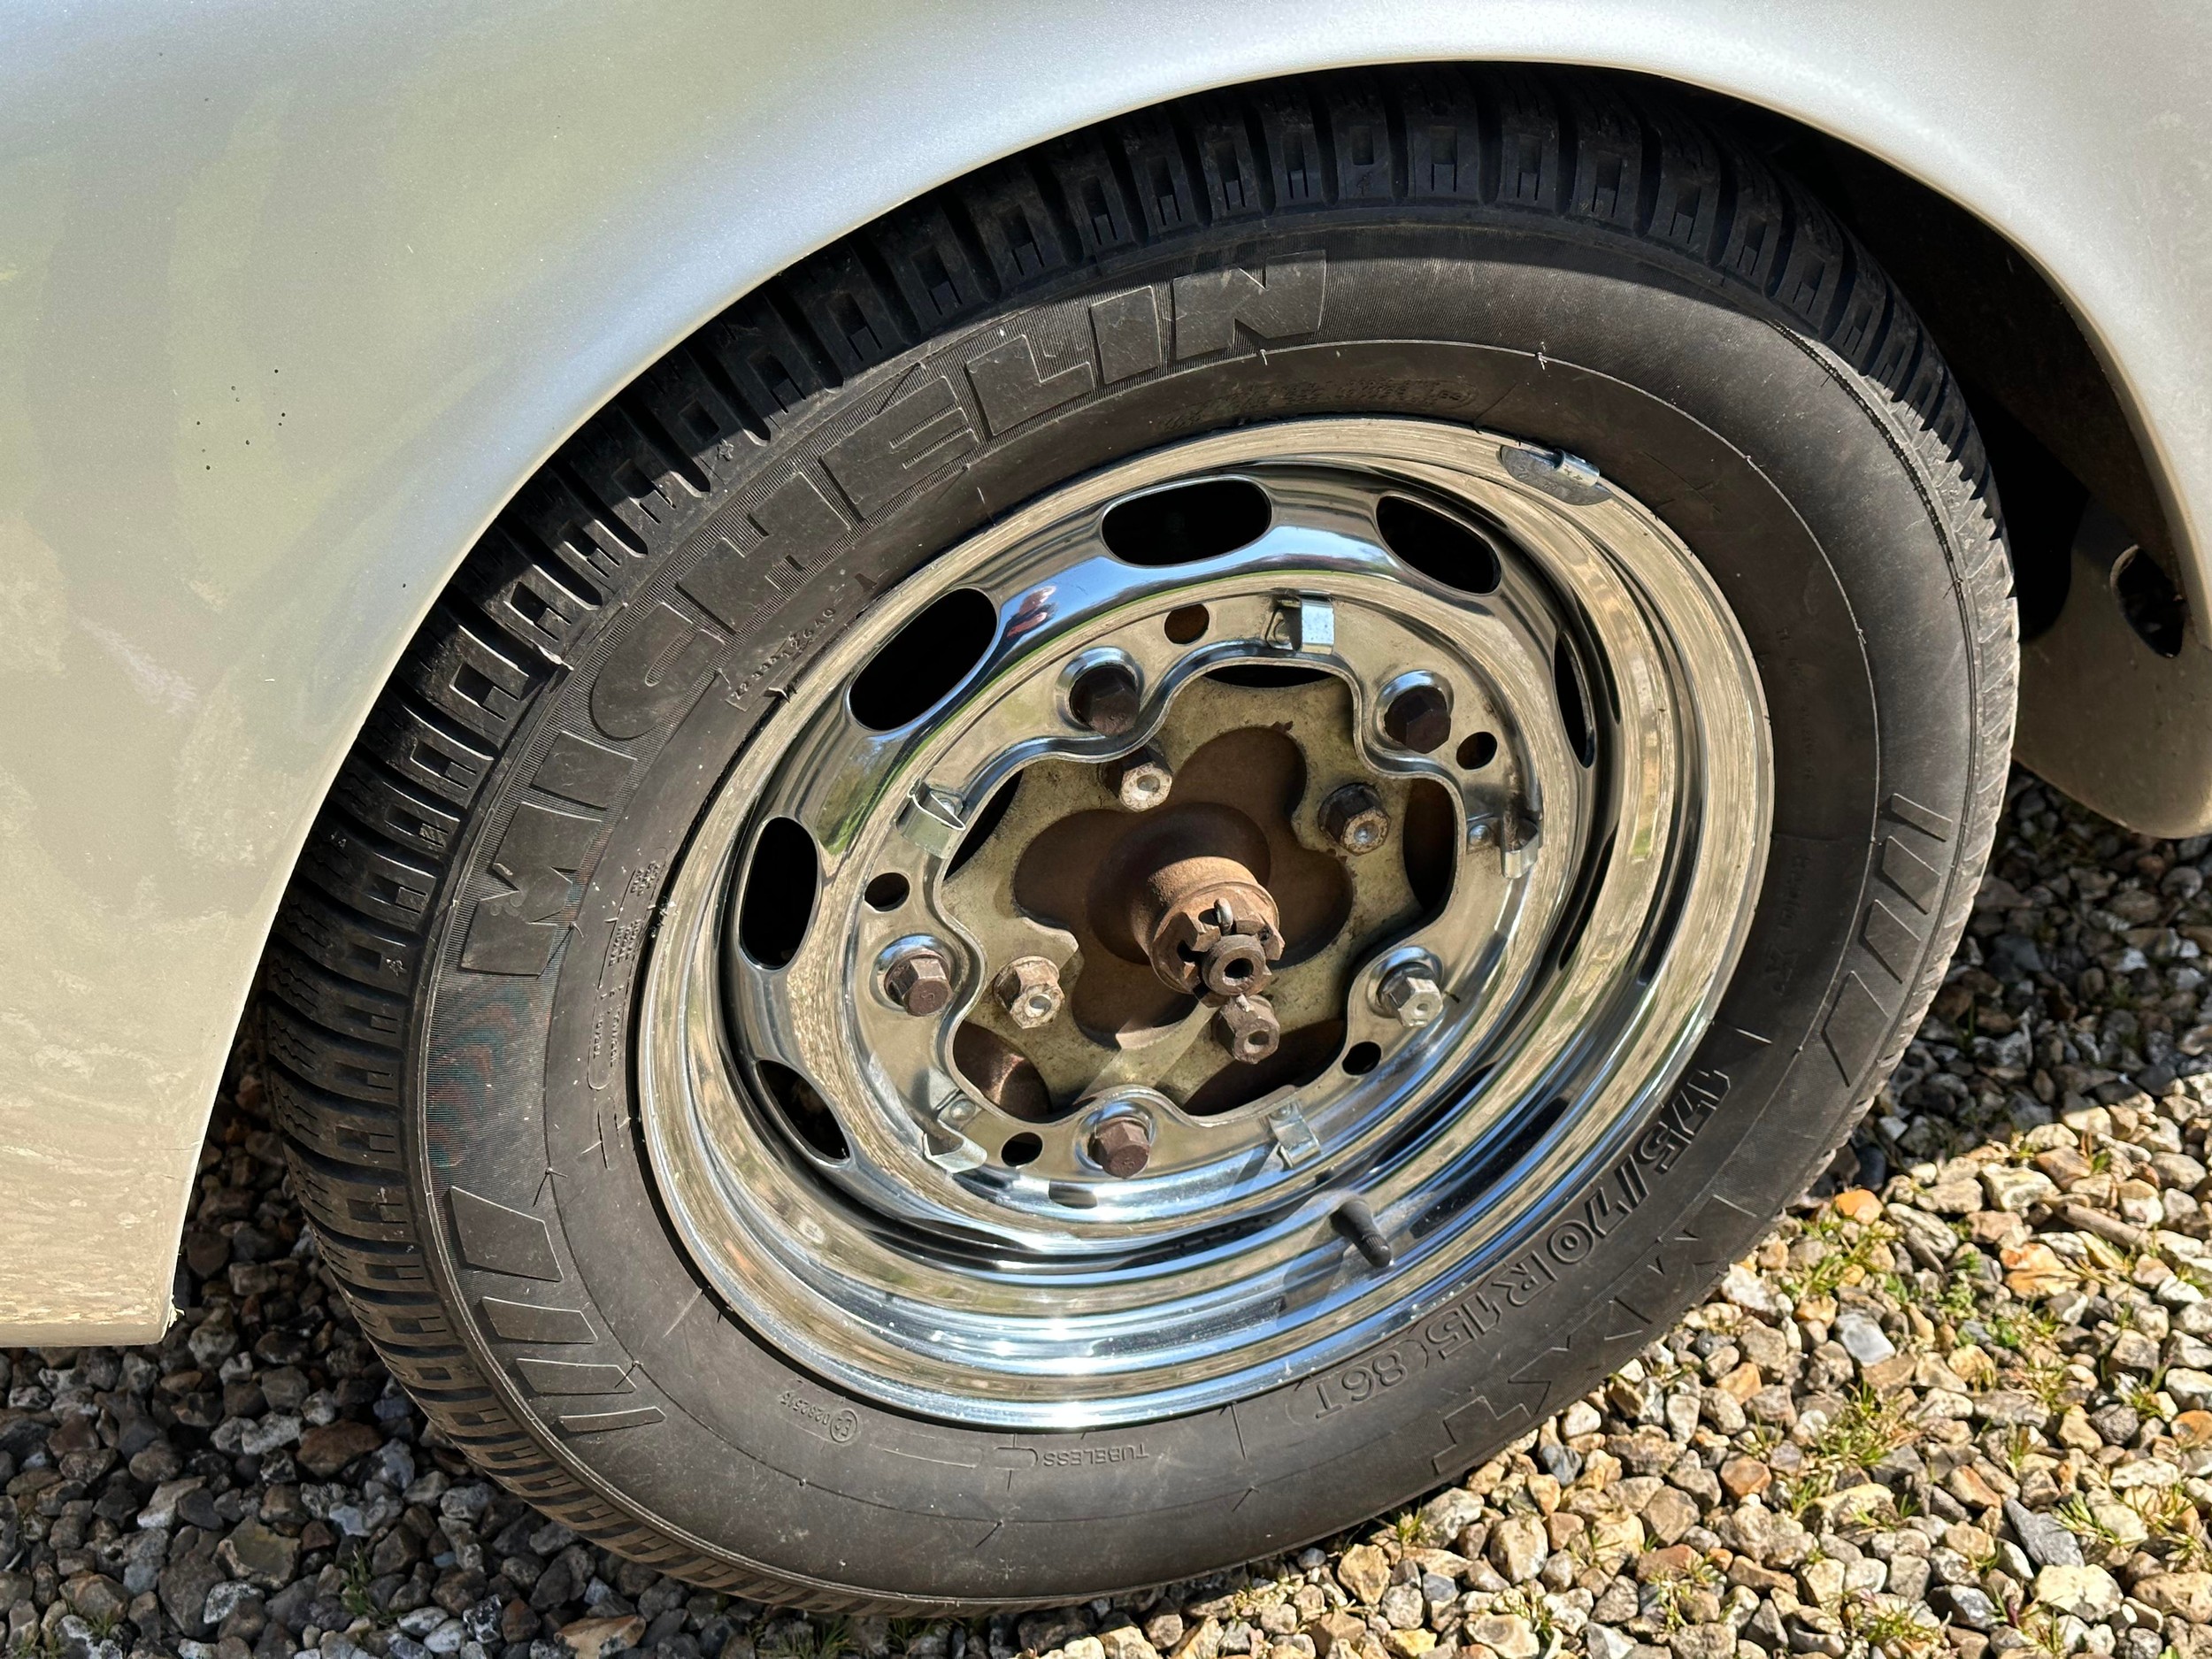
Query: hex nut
{"points": [[1142, 781], [1418, 718], [1353, 817], [1121, 1146], [1411, 994], [1104, 698], [1246, 1026], [918, 980], [1029, 989]]}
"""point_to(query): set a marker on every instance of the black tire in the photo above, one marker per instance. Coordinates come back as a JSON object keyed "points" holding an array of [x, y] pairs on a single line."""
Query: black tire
{"points": [[1570, 259]]}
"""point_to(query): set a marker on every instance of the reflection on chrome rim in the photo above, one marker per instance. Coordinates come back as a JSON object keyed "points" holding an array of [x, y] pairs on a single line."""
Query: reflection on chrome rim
{"points": [[1451, 754]]}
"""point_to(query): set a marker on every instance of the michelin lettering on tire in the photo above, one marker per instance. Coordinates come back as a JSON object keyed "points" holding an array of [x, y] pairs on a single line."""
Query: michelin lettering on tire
{"points": [[663, 666]]}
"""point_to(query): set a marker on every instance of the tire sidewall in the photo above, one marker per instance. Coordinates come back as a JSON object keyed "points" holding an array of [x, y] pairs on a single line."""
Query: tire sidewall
{"points": [[1789, 479]]}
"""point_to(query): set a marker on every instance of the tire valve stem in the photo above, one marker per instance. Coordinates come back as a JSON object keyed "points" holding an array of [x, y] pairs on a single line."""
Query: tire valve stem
{"points": [[1357, 1223]]}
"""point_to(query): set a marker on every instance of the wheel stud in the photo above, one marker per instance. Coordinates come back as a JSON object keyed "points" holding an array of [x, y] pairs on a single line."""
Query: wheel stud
{"points": [[1029, 989], [1354, 819], [1248, 1028], [1418, 718], [1411, 994], [1104, 698], [1142, 781], [918, 980], [1121, 1146]]}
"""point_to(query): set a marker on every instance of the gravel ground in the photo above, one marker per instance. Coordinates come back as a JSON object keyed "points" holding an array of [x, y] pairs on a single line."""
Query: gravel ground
{"points": [[1958, 1400]]}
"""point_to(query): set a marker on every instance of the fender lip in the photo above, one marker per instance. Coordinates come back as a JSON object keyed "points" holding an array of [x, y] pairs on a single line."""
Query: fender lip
{"points": [[109, 1334]]}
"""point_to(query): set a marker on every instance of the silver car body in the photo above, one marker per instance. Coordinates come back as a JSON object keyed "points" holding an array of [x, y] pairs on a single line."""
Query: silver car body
{"points": [[292, 298]]}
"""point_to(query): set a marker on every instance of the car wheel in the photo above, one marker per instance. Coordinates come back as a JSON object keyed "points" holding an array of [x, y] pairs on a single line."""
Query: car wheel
{"points": [[1158, 851]]}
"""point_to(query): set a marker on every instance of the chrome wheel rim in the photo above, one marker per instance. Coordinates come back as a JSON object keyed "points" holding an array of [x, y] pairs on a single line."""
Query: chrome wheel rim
{"points": [[948, 1244]]}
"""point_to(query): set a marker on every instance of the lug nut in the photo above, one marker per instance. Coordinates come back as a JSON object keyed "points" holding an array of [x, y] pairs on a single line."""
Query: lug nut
{"points": [[1248, 1028], [1411, 993], [1418, 718], [918, 980], [1354, 819], [1104, 698], [1121, 1146], [1029, 988], [1140, 781]]}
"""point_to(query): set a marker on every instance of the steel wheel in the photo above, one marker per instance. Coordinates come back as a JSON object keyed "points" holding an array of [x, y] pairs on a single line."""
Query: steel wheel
{"points": [[1178, 935]]}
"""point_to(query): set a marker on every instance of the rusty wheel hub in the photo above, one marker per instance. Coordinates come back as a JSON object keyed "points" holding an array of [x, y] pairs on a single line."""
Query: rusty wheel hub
{"points": [[1330, 806]]}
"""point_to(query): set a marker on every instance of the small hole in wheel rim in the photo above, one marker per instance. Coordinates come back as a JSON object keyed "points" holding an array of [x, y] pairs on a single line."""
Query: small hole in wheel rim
{"points": [[1478, 751], [886, 891], [1574, 702], [915, 669], [805, 1112], [1362, 1057], [1187, 623], [1184, 523], [1020, 1149], [777, 905], [1441, 548]]}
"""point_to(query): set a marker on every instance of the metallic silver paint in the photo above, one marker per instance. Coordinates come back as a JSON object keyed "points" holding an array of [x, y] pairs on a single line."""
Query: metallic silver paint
{"points": [[292, 298]]}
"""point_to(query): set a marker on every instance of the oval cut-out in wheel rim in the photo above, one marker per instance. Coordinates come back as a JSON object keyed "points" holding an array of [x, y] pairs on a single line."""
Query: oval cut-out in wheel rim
{"points": [[968, 1256]]}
